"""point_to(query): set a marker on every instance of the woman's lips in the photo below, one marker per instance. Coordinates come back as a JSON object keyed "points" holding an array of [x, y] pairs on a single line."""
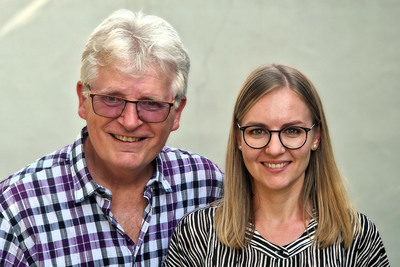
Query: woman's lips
{"points": [[276, 165]]}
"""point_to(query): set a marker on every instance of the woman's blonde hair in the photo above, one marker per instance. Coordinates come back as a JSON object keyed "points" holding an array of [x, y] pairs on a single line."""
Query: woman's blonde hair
{"points": [[323, 184]]}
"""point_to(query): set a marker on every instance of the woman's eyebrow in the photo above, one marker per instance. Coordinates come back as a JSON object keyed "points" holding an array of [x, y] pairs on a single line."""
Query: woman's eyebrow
{"points": [[264, 125]]}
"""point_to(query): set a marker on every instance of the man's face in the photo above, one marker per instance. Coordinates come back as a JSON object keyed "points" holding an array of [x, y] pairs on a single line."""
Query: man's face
{"points": [[127, 143]]}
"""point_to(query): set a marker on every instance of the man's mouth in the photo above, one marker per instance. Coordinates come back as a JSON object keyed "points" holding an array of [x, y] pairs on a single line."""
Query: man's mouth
{"points": [[276, 165], [126, 138]]}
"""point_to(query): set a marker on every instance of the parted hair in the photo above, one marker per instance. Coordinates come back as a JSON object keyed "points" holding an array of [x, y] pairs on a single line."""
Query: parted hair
{"points": [[323, 184], [133, 43]]}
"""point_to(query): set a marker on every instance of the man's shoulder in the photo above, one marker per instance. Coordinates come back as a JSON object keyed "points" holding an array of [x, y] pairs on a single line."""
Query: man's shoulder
{"points": [[179, 152], [180, 157], [185, 170], [49, 165]]}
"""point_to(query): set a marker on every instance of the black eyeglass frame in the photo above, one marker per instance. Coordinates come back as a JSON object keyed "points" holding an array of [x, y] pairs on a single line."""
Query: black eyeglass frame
{"points": [[92, 95], [274, 131]]}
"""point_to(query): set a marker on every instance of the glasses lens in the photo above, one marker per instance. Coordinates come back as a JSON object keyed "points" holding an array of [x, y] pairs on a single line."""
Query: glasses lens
{"points": [[108, 106], [153, 111], [148, 111], [290, 137], [256, 137], [293, 137]]}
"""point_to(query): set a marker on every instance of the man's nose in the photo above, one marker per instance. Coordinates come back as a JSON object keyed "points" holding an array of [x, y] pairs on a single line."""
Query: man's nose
{"points": [[130, 116]]}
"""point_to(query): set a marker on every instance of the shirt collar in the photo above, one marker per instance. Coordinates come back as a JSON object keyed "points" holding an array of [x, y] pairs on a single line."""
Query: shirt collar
{"points": [[159, 176], [85, 186]]}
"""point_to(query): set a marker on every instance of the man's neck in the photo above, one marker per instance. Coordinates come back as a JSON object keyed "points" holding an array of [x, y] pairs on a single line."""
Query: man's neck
{"points": [[116, 178]]}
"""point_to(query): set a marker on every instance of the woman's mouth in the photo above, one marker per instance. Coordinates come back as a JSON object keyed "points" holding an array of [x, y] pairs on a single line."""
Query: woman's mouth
{"points": [[276, 165]]}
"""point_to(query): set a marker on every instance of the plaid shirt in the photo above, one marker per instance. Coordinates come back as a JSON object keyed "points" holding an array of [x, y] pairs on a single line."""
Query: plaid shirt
{"points": [[52, 213]]}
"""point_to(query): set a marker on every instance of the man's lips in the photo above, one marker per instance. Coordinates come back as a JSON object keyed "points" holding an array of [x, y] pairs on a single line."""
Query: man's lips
{"points": [[126, 138]]}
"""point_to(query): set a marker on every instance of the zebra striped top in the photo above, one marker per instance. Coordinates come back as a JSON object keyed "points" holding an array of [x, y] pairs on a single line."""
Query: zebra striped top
{"points": [[195, 243]]}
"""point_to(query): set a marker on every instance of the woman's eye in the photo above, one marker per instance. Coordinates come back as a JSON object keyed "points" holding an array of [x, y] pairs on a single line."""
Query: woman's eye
{"points": [[257, 131], [292, 131]]}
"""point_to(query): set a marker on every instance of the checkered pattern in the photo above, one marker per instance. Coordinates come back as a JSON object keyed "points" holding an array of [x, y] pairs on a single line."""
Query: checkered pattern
{"points": [[52, 213]]}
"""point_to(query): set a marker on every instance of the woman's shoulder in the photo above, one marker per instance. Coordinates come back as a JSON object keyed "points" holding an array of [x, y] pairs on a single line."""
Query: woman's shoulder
{"points": [[204, 215], [366, 224], [368, 232], [195, 227], [369, 243]]}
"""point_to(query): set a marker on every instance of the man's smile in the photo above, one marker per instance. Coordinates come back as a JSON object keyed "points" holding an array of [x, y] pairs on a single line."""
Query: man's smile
{"points": [[126, 138]]}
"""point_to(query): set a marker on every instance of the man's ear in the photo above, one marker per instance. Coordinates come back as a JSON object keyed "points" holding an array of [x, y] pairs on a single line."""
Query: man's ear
{"points": [[82, 99], [178, 113]]}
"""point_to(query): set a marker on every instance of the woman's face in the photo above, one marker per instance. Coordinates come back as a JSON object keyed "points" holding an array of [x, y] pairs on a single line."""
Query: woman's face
{"points": [[275, 168]]}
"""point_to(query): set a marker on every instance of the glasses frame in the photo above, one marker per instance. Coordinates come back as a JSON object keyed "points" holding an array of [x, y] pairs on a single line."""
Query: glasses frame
{"points": [[274, 131], [92, 95]]}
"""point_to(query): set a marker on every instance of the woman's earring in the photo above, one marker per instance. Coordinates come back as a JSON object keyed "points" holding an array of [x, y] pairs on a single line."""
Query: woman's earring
{"points": [[315, 146], [240, 147]]}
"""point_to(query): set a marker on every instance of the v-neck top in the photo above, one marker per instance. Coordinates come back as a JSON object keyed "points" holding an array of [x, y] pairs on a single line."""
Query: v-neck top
{"points": [[195, 243]]}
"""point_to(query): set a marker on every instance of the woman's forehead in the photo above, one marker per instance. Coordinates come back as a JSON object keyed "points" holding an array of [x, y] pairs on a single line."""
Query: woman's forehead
{"points": [[281, 105]]}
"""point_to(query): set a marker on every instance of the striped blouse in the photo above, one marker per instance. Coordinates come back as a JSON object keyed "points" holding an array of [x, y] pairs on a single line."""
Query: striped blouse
{"points": [[195, 243]]}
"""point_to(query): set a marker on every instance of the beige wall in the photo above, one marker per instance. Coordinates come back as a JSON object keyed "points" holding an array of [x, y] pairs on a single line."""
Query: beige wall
{"points": [[348, 48]]}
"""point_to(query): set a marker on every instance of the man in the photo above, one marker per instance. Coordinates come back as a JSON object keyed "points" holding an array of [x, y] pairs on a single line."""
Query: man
{"points": [[114, 196]]}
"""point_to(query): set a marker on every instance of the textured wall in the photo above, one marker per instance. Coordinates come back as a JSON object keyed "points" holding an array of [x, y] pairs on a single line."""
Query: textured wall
{"points": [[348, 48]]}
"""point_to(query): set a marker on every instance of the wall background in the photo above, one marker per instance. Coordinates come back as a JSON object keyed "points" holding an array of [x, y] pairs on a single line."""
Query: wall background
{"points": [[349, 49]]}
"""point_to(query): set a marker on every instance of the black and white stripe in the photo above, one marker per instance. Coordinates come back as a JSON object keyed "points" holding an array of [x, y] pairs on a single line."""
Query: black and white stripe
{"points": [[195, 243]]}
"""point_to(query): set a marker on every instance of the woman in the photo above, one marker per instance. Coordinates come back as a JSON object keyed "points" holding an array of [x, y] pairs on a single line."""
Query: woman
{"points": [[284, 200]]}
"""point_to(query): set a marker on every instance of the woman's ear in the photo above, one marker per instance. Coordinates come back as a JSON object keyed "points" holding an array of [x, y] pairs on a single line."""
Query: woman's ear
{"points": [[316, 139], [238, 139]]}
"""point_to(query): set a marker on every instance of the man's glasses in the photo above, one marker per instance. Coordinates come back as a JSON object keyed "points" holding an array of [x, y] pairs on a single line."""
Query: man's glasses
{"points": [[112, 107], [292, 137]]}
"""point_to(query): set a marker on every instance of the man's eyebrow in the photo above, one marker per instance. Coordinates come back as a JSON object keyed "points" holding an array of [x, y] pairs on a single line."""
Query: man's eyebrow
{"points": [[110, 91], [117, 93]]}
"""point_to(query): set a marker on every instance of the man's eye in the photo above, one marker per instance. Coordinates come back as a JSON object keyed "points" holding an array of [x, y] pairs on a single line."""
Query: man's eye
{"points": [[110, 100], [152, 105]]}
